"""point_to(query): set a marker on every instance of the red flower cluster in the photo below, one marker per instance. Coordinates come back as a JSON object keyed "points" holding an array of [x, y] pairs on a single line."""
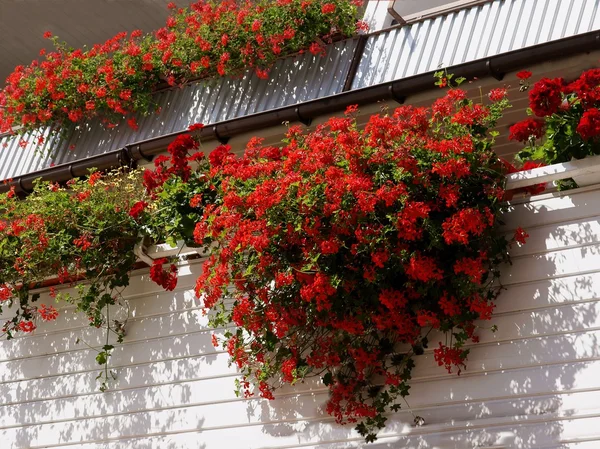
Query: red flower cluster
{"points": [[27, 326], [47, 313], [520, 236], [83, 241], [524, 74], [546, 96], [497, 94], [166, 279], [54, 233], [527, 129], [449, 357], [116, 79], [570, 119], [340, 221], [5, 292], [587, 88], [461, 226], [137, 209], [176, 165], [589, 125]]}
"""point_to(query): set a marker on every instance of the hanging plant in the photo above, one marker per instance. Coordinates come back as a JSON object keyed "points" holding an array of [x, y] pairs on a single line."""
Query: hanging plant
{"points": [[349, 249], [116, 80], [82, 234]]}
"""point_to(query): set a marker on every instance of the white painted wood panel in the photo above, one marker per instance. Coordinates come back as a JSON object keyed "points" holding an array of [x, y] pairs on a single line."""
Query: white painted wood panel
{"points": [[535, 383]]}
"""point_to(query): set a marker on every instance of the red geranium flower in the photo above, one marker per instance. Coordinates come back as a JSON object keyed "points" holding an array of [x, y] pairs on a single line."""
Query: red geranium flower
{"points": [[26, 326], [47, 313], [546, 96], [589, 125], [137, 209], [166, 279], [497, 94], [5, 292], [526, 129], [317, 49], [195, 127], [520, 235], [328, 8]]}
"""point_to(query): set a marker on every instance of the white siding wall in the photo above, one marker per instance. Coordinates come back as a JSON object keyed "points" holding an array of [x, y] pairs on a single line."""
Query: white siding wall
{"points": [[533, 384]]}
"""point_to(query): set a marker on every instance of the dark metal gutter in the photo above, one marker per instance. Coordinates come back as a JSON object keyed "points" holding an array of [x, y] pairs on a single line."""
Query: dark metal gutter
{"points": [[397, 90]]}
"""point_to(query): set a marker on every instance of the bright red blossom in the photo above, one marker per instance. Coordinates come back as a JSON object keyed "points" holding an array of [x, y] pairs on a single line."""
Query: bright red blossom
{"points": [[466, 223], [497, 94], [328, 8], [137, 209], [521, 236], [472, 267], [449, 358], [26, 326], [47, 313], [166, 279], [546, 96], [5, 292], [424, 269], [84, 242], [524, 74], [589, 125], [527, 129]]}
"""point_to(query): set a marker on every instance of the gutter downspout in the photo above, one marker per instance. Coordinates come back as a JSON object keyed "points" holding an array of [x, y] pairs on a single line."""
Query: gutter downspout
{"points": [[396, 90]]}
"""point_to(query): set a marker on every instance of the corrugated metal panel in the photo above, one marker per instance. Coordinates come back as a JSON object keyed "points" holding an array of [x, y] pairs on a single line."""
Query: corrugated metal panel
{"points": [[472, 33], [532, 384], [468, 34], [292, 80]]}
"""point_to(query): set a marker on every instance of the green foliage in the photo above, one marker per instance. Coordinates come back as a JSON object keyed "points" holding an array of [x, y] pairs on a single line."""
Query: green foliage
{"points": [[80, 234]]}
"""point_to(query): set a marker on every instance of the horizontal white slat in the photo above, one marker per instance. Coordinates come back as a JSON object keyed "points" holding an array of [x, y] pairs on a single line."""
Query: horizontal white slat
{"points": [[140, 288], [547, 292], [129, 377], [557, 207], [523, 432], [193, 368], [532, 321], [144, 329], [472, 412], [553, 264], [572, 234], [485, 356], [555, 172], [437, 400], [485, 432], [511, 325]]}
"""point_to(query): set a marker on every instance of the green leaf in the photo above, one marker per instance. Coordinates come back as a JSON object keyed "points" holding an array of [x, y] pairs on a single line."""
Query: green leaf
{"points": [[102, 358]]}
